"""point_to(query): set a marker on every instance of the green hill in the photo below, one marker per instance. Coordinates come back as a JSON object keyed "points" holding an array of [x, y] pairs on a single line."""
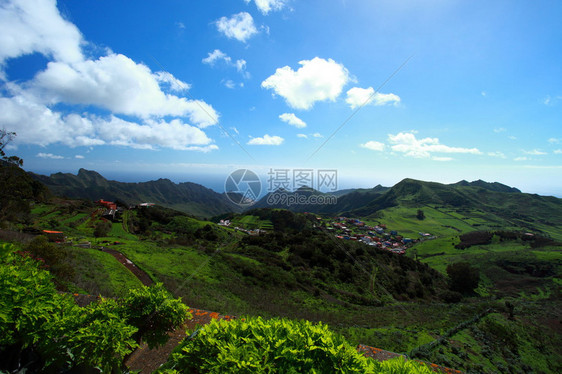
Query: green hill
{"points": [[187, 197]]}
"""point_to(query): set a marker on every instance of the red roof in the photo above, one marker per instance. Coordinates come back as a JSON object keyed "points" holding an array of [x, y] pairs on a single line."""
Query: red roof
{"points": [[52, 232]]}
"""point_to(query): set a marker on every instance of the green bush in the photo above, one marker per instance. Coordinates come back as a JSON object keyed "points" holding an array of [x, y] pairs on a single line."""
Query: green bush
{"points": [[154, 312], [256, 345]]}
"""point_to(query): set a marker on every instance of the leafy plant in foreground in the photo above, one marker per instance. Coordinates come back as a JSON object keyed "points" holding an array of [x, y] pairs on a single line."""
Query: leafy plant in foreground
{"points": [[42, 330], [257, 345], [154, 312]]}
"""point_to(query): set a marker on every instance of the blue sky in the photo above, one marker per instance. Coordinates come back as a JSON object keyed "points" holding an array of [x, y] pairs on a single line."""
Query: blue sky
{"points": [[192, 90]]}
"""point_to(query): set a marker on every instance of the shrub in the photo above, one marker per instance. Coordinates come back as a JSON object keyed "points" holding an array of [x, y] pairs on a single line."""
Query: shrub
{"points": [[154, 313], [256, 345], [463, 278]]}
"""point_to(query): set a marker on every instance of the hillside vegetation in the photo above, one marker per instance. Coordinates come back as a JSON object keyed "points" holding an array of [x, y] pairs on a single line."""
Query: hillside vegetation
{"points": [[298, 270]]}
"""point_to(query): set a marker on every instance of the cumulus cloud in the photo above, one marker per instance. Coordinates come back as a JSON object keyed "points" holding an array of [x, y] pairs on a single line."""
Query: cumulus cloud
{"points": [[357, 97], [266, 140], [292, 120], [316, 80], [174, 83], [80, 157], [49, 155], [28, 26], [239, 26], [317, 135], [497, 154], [37, 124], [521, 158], [373, 145], [218, 55], [112, 82], [406, 142], [535, 152], [265, 6], [117, 83], [304, 136]]}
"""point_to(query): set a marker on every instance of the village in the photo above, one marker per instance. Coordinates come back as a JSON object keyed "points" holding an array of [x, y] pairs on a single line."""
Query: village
{"points": [[345, 228]]}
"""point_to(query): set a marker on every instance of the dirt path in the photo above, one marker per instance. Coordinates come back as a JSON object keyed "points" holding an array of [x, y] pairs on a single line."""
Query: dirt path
{"points": [[147, 360], [140, 274]]}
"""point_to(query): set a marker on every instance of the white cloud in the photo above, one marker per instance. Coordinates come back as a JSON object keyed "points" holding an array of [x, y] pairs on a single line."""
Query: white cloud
{"points": [[373, 145], [50, 156], [442, 159], [293, 120], [304, 136], [239, 26], [265, 6], [80, 157], [317, 135], [496, 154], [37, 124], [218, 55], [174, 83], [316, 80], [535, 152], [215, 56], [267, 140], [357, 97], [558, 151], [406, 142], [174, 134], [499, 129], [230, 84], [37, 26], [554, 140], [483, 93], [240, 65], [112, 82], [522, 158], [117, 83]]}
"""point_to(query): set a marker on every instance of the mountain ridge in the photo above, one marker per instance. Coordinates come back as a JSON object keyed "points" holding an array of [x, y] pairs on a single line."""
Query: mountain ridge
{"points": [[187, 197]]}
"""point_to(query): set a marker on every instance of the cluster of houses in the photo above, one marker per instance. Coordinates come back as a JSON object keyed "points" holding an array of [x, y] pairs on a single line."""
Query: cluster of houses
{"points": [[377, 236], [256, 232], [111, 211]]}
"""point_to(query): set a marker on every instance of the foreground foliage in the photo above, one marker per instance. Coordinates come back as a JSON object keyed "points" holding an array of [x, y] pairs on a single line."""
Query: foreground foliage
{"points": [[256, 345], [43, 330]]}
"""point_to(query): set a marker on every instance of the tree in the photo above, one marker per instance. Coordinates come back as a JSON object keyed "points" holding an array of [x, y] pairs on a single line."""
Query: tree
{"points": [[420, 215], [154, 312], [102, 228], [5, 138], [463, 278]]}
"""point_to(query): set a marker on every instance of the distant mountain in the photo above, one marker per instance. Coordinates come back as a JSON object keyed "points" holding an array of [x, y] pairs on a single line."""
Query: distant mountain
{"points": [[309, 200], [187, 197], [495, 186], [490, 199], [507, 203]]}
